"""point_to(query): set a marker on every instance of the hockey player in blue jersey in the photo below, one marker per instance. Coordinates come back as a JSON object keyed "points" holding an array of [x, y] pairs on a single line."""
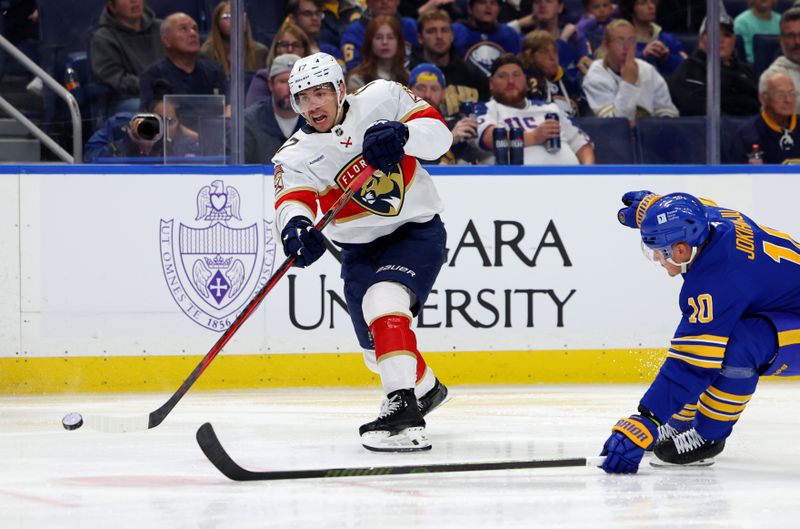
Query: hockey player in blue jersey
{"points": [[740, 305]]}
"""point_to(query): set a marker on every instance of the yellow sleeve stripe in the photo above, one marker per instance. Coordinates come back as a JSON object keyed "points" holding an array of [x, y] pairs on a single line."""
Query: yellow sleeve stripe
{"points": [[718, 416], [789, 337], [700, 350], [708, 339], [720, 407], [728, 397], [708, 364]]}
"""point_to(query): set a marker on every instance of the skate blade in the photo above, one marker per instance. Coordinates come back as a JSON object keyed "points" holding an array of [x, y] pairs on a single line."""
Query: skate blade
{"points": [[657, 463], [408, 440]]}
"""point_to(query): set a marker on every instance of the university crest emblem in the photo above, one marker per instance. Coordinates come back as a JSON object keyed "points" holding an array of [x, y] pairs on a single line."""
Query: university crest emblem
{"points": [[213, 269]]}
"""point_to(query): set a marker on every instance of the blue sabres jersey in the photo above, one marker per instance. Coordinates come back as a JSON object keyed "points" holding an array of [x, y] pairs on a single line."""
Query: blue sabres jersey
{"points": [[743, 270], [481, 49]]}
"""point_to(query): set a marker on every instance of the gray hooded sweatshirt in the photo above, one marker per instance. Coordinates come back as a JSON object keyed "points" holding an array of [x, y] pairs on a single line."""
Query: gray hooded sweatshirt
{"points": [[119, 54]]}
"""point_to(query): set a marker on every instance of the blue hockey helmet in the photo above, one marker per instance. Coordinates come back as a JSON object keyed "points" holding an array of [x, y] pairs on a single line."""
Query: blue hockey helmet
{"points": [[673, 218]]}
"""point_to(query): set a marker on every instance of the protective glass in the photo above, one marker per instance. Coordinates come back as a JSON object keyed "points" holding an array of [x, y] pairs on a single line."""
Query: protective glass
{"points": [[315, 97]]}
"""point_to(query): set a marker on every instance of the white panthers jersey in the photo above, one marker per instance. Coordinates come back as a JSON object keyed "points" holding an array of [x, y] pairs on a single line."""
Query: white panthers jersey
{"points": [[528, 118], [315, 168]]}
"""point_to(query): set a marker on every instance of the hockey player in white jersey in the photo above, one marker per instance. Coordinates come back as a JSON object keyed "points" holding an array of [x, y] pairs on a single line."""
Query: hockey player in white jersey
{"points": [[390, 232]]}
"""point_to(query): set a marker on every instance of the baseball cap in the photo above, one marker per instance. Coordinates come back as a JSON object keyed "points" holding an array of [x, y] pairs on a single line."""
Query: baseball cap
{"points": [[724, 20], [426, 72], [282, 64]]}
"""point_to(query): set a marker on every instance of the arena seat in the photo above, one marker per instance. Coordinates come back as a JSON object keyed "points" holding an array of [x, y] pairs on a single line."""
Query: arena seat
{"points": [[688, 41], [728, 127], [671, 140], [612, 137], [766, 48]]}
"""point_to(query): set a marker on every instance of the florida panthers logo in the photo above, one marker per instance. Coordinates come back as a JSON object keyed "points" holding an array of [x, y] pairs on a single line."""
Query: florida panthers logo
{"points": [[382, 194]]}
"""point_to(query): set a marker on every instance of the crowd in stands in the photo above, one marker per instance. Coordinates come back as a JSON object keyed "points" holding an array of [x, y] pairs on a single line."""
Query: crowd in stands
{"points": [[535, 65]]}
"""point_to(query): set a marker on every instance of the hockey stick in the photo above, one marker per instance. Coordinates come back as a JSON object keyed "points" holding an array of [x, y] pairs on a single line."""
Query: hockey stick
{"points": [[212, 448], [154, 418]]}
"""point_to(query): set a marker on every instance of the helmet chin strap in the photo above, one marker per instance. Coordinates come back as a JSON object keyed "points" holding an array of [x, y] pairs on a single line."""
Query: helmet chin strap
{"points": [[684, 266]]}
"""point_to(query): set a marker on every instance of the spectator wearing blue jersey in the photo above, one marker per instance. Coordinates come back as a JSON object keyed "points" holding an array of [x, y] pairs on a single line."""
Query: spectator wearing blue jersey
{"points": [[740, 314], [661, 49], [481, 39], [760, 19], [547, 80], [337, 15], [596, 16], [771, 137], [353, 36], [574, 52]]}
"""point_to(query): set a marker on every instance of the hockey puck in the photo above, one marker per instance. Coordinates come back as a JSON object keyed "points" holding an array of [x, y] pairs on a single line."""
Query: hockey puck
{"points": [[72, 421]]}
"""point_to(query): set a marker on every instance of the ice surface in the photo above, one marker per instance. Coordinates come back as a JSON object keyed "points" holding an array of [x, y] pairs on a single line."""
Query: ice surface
{"points": [[52, 478]]}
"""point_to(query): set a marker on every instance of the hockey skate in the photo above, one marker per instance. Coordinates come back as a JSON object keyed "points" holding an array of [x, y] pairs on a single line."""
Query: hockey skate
{"points": [[434, 398], [686, 449], [399, 426], [667, 431]]}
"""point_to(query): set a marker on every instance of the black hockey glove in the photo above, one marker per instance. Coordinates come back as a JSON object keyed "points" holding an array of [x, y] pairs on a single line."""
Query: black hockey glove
{"points": [[301, 239], [383, 145], [636, 203]]}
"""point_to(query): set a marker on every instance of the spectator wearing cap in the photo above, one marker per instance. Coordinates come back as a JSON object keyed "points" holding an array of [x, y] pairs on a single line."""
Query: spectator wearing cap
{"points": [[620, 85], [547, 79], [269, 123], [738, 85], [509, 107], [481, 39], [353, 36], [789, 62], [760, 19], [428, 82], [574, 51], [465, 82]]}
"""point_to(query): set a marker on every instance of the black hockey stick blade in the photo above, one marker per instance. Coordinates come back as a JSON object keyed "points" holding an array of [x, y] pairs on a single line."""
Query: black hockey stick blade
{"points": [[212, 448], [156, 417]]}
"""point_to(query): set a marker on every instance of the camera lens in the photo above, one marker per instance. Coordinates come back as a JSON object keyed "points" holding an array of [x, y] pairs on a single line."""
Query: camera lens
{"points": [[149, 128]]}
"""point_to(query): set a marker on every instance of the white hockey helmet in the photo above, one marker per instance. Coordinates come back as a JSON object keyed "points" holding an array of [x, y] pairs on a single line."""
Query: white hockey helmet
{"points": [[314, 70]]}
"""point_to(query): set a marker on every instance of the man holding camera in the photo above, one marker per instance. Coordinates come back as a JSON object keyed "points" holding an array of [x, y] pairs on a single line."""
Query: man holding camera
{"points": [[129, 136]]}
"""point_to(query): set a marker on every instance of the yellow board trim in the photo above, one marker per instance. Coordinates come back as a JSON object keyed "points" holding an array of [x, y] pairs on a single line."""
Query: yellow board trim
{"points": [[165, 373]]}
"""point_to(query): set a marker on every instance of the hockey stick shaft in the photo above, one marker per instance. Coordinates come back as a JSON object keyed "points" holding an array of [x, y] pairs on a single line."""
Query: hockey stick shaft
{"points": [[214, 451], [157, 416]]}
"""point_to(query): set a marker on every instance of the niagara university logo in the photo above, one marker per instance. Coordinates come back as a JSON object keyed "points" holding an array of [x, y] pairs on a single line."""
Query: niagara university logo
{"points": [[212, 270], [382, 194]]}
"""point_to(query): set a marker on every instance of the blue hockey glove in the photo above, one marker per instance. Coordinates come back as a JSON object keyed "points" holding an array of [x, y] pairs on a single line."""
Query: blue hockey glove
{"points": [[383, 145], [301, 239], [636, 203], [625, 448]]}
